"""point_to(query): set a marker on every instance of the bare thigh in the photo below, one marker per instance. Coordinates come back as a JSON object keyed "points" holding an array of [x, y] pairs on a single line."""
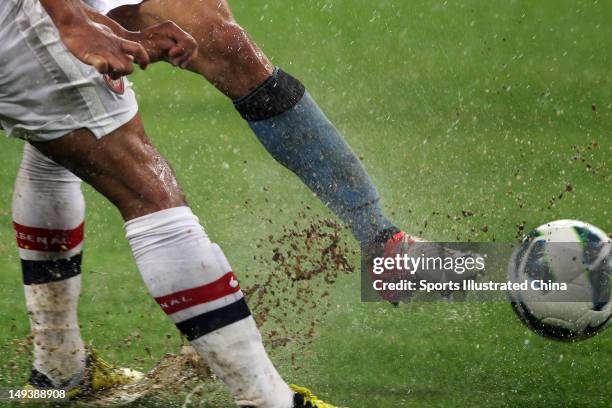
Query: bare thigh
{"points": [[123, 166], [227, 57]]}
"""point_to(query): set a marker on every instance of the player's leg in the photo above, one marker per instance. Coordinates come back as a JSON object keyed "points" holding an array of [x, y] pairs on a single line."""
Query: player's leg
{"points": [[186, 273], [89, 126], [279, 110], [48, 215]]}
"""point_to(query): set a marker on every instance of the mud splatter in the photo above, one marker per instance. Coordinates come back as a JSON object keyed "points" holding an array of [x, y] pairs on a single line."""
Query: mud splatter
{"points": [[554, 200], [302, 263], [585, 155]]}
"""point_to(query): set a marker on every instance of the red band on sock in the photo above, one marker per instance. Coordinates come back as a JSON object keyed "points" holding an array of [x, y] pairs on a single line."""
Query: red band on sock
{"points": [[175, 302], [48, 240]]}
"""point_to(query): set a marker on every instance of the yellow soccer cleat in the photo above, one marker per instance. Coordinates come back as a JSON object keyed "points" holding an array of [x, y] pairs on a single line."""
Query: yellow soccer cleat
{"points": [[304, 398], [103, 375], [99, 375]]}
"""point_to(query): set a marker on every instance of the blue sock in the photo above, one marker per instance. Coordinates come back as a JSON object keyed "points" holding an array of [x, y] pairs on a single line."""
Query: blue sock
{"points": [[295, 131]]}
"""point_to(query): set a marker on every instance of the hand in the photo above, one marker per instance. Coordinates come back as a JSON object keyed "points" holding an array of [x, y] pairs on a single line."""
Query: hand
{"points": [[95, 44], [166, 41]]}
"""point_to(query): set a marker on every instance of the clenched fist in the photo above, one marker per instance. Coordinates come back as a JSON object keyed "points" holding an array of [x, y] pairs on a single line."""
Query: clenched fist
{"points": [[96, 45], [167, 42]]}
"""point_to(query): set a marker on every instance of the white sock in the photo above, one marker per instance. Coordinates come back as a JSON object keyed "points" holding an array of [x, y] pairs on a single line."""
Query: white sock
{"points": [[192, 281], [48, 214]]}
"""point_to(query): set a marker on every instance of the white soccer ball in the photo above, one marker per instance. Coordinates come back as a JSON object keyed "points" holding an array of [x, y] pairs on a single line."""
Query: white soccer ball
{"points": [[565, 254]]}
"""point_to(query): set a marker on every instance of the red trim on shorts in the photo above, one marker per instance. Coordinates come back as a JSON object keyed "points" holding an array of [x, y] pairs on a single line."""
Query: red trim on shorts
{"points": [[48, 240], [175, 302]]}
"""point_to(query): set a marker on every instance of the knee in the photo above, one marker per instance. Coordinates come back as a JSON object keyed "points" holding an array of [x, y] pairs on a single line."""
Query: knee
{"points": [[42, 183], [154, 198], [224, 39], [150, 184], [154, 188], [157, 199], [228, 57], [36, 168], [46, 195]]}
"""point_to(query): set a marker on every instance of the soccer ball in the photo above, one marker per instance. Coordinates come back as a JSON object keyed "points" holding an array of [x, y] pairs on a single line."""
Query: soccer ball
{"points": [[566, 266]]}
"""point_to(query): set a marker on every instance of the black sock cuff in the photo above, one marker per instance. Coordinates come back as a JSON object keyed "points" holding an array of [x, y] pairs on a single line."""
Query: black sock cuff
{"points": [[276, 95], [208, 322], [39, 272]]}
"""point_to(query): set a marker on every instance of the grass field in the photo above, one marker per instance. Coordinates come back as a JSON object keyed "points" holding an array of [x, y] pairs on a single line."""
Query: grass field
{"points": [[491, 107]]}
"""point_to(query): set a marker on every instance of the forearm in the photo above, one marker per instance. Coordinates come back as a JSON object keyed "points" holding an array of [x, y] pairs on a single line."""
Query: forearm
{"points": [[100, 18], [73, 13]]}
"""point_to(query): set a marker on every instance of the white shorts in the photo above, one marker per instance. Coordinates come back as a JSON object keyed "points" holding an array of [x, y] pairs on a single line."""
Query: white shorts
{"points": [[104, 6], [45, 92]]}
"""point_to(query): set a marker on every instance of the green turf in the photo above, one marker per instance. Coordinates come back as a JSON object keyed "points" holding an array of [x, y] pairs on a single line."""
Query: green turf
{"points": [[492, 107]]}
